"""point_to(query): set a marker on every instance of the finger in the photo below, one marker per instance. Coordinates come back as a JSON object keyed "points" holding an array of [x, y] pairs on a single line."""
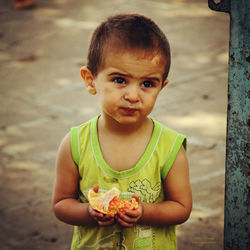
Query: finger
{"points": [[124, 223], [106, 222], [136, 197], [95, 214], [132, 213], [99, 215], [126, 218], [105, 217], [108, 216], [96, 188]]}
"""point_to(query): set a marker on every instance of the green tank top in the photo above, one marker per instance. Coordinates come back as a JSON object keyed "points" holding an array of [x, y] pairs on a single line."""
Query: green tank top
{"points": [[145, 178]]}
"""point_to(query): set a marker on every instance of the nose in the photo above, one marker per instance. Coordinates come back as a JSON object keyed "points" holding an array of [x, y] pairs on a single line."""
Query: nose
{"points": [[132, 94]]}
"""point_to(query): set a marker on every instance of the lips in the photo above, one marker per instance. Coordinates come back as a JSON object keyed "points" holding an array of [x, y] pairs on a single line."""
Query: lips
{"points": [[129, 111]]}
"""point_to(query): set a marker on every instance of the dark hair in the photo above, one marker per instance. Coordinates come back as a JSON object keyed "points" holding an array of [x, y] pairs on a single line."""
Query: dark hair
{"points": [[128, 31]]}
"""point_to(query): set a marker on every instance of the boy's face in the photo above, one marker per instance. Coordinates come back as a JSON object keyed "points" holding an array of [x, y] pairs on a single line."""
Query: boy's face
{"points": [[128, 85]]}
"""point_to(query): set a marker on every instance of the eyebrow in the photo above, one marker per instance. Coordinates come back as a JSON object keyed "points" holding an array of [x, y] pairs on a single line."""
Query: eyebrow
{"points": [[127, 75], [117, 73]]}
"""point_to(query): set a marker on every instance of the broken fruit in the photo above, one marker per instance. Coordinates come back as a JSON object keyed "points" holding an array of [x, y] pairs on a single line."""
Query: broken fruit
{"points": [[109, 202]]}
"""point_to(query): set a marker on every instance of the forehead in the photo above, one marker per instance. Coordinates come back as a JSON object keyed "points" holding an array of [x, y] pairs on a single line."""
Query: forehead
{"points": [[134, 61]]}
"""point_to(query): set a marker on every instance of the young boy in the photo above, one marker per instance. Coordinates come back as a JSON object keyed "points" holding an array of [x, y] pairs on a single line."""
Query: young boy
{"points": [[128, 65]]}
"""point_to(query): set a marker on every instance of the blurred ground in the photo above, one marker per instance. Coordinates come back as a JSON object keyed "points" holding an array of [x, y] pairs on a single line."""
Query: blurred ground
{"points": [[42, 96]]}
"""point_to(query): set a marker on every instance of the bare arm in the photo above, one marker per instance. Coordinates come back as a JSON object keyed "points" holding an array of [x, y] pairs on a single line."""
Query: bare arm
{"points": [[178, 205], [64, 201]]}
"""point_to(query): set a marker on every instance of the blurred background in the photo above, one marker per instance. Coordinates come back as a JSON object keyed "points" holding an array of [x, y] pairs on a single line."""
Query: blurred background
{"points": [[42, 96]]}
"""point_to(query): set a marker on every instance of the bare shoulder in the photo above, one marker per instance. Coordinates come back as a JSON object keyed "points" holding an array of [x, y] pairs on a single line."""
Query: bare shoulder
{"points": [[179, 171], [181, 160], [64, 152]]}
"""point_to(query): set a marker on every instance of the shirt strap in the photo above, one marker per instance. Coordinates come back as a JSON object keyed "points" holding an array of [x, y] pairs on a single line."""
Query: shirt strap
{"points": [[178, 142], [74, 142]]}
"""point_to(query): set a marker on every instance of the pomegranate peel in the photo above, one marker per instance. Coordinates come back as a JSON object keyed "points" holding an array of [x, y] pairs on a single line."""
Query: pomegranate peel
{"points": [[110, 202]]}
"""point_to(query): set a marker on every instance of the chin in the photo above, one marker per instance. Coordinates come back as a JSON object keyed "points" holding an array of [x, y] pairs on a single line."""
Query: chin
{"points": [[129, 120]]}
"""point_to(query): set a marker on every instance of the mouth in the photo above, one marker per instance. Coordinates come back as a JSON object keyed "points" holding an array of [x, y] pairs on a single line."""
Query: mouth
{"points": [[130, 111]]}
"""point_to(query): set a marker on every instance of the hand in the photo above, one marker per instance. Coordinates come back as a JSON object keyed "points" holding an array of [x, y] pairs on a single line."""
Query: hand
{"points": [[100, 218], [130, 217]]}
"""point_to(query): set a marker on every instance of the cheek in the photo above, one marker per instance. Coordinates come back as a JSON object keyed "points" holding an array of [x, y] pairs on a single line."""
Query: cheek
{"points": [[151, 99], [108, 98], [150, 102]]}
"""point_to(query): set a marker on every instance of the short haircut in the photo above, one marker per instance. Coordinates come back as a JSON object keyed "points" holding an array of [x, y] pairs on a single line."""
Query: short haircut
{"points": [[131, 32]]}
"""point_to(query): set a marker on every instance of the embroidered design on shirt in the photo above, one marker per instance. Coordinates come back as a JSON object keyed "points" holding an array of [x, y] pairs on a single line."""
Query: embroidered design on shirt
{"points": [[144, 189]]}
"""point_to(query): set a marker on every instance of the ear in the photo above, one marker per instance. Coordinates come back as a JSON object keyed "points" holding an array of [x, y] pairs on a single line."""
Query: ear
{"points": [[88, 79], [164, 83]]}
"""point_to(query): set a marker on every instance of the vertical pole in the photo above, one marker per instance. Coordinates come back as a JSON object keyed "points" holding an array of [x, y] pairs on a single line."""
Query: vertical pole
{"points": [[237, 182], [236, 226]]}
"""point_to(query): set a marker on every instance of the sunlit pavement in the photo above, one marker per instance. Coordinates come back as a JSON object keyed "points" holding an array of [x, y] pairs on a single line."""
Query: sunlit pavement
{"points": [[42, 96]]}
